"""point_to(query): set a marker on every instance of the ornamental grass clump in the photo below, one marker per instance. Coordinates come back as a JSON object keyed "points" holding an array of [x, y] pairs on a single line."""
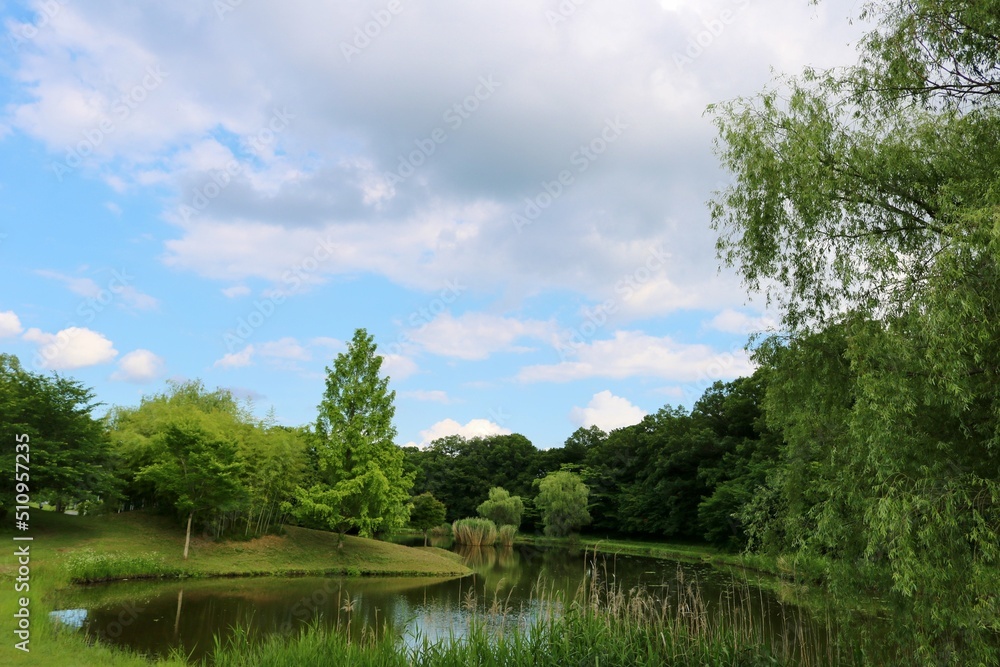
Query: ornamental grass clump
{"points": [[475, 532]]}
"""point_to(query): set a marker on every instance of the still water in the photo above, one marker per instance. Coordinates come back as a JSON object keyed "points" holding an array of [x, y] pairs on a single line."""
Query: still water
{"points": [[158, 617]]}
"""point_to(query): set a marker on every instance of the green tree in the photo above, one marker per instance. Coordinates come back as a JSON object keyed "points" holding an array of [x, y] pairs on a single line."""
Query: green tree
{"points": [[69, 455], [562, 499], [361, 480], [194, 470], [502, 508], [867, 198], [427, 512]]}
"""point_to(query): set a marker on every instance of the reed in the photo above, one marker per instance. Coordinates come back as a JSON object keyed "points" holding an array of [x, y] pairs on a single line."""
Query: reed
{"points": [[475, 532], [506, 535], [602, 623]]}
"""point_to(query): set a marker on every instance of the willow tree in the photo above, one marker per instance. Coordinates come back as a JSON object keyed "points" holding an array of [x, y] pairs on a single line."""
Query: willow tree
{"points": [[866, 203], [361, 482]]}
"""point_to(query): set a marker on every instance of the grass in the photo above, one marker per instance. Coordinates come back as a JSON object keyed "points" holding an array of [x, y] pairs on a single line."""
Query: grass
{"points": [[601, 625], [506, 535], [138, 545], [105, 545], [475, 532]]}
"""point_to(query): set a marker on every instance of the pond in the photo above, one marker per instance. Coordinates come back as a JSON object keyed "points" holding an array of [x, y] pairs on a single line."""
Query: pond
{"points": [[157, 617]]}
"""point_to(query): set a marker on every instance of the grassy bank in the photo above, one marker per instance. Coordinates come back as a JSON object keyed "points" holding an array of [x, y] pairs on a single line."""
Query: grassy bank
{"points": [[138, 545], [135, 544]]}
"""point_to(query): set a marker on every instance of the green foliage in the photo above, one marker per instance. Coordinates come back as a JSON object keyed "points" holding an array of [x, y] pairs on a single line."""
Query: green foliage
{"points": [[474, 532], [361, 482], [89, 566], [426, 512], [69, 457], [460, 471], [562, 498], [868, 198], [502, 508]]}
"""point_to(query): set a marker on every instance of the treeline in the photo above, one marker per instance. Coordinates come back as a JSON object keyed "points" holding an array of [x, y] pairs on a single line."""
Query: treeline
{"points": [[678, 474]]}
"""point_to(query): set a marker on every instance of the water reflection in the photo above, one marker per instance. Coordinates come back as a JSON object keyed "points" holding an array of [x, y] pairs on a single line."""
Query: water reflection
{"points": [[154, 618]]}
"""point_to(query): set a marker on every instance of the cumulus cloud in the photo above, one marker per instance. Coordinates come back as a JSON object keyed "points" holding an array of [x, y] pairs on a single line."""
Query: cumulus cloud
{"points": [[10, 324], [211, 92], [607, 412], [475, 335], [635, 354], [71, 348], [476, 428], [139, 366], [239, 359], [398, 366]]}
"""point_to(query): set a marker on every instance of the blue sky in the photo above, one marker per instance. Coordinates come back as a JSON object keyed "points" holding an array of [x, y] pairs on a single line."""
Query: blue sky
{"points": [[509, 196]]}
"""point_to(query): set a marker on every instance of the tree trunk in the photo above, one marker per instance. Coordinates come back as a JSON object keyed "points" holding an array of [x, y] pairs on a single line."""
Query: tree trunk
{"points": [[187, 538], [425, 538]]}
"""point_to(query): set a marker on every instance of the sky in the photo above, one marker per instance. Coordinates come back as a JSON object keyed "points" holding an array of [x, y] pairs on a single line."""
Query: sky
{"points": [[509, 196]]}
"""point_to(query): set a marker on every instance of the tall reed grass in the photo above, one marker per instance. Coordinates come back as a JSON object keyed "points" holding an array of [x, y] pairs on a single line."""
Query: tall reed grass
{"points": [[505, 535], [475, 532], [602, 624]]}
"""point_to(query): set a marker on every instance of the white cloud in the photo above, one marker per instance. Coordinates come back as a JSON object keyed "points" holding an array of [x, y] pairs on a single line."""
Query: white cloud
{"points": [[474, 336], [476, 428], [139, 366], [10, 324], [735, 322], [635, 354], [607, 412], [398, 367], [431, 396], [288, 349], [71, 348], [323, 173], [236, 291], [118, 287], [239, 359]]}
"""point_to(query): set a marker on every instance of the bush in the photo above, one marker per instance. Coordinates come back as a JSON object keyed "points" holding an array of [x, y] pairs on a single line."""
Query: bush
{"points": [[475, 532]]}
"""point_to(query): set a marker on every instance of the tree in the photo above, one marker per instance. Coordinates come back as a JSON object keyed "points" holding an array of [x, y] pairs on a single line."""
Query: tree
{"points": [[502, 508], [426, 513], [867, 198], [361, 480], [562, 498], [194, 471], [70, 460]]}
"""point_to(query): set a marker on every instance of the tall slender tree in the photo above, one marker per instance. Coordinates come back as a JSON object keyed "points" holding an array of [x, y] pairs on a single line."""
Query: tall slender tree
{"points": [[361, 481]]}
